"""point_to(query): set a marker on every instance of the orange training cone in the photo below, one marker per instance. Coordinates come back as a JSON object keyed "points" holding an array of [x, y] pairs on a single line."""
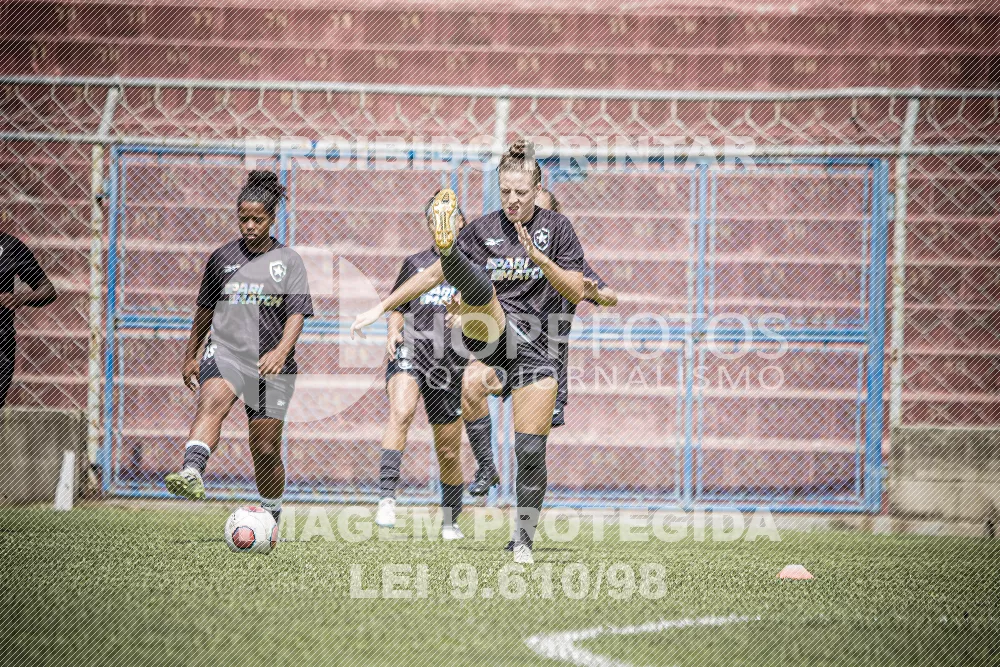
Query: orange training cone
{"points": [[794, 572]]}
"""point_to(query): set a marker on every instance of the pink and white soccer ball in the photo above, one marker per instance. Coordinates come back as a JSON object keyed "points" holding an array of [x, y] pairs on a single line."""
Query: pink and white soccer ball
{"points": [[251, 529]]}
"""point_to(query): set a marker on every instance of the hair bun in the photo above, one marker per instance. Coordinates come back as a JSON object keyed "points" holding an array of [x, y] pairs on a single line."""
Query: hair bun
{"points": [[520, 149], [267, 179]]}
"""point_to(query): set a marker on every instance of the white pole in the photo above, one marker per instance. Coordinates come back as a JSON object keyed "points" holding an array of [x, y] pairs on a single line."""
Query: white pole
{"points": [[899, 265], [67, 483], [94, 371], [502, 117]]}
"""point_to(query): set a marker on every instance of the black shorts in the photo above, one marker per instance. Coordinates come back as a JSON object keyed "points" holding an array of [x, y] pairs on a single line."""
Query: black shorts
{"points": [[263, 398], [559, 415], [6, 374], [529, 363], [440, 387]]}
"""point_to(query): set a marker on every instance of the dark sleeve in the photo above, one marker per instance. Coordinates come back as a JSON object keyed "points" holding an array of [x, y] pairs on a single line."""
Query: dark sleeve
{"points": [[568, 253], [588, 272], [298, 299], [211, 283], [26, 267], [405, 273]]}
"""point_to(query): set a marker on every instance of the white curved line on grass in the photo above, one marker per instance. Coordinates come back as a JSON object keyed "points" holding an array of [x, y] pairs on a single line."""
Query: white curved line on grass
{"points": [[562, 645]]}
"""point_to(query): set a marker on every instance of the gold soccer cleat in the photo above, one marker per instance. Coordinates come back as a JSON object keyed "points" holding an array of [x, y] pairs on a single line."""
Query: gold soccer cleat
{"points": [[443, 213]]}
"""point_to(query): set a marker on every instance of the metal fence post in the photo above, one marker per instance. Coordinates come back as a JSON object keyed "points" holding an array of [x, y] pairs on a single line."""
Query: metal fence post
{"points": [[95, 372], [899, 265], [491, 188], [874, 381]]}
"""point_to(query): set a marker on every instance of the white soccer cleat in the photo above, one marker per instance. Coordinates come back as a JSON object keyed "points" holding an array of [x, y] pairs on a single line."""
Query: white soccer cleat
{"points": [[522, 554], [452, 532], [386, 515]]}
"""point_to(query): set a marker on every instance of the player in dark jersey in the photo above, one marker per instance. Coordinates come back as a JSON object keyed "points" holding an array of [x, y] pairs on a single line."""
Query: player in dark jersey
{"points": [[416, 370], [513, 268], [254, 298], [475, 408], [17, 261]]}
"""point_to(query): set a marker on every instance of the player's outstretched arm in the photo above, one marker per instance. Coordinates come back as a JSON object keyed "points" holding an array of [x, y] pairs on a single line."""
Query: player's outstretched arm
{"points": [[601, 296], [199, 331], [422, 282]]}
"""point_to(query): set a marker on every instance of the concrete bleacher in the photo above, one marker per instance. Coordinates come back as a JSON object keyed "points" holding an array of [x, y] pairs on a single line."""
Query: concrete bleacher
{"points": [[795, 250], [672, 45]]}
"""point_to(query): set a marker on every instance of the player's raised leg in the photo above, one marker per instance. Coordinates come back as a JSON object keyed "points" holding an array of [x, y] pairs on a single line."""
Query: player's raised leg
{"points": [[404, 392], [479, 298]]}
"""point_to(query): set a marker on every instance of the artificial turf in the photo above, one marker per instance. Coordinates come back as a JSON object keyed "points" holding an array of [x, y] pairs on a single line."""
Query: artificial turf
{"points": [[111, 585]]}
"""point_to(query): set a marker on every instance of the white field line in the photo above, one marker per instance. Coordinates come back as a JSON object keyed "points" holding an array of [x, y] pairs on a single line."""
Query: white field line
{"points": [[562, 645]]}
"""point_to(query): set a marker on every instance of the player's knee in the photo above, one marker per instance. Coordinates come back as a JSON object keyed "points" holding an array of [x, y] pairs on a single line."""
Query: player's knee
{"points": [[266, 448], [402, 415], [216, 406], [449, 457], [530, 449], [476, 385]]}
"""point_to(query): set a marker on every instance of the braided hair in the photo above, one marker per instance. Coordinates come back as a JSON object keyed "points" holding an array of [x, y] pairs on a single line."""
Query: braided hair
{"points": [[262, 187], [520, 156]]}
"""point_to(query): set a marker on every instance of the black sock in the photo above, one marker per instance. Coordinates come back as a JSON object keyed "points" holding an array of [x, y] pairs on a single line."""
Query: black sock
{"points": [[388, 472], [472, 281], [196, 455], [532, 481], [451, 501], [480, 432]]}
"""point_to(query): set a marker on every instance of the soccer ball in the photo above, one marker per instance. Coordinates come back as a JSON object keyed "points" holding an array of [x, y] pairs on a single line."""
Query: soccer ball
{"points": [[251, 529]]}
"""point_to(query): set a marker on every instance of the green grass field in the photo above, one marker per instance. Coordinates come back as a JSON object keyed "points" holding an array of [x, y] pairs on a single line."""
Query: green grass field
{"points": [[106, 585]]}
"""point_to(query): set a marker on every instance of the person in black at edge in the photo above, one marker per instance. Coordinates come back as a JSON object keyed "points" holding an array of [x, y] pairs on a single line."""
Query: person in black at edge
{"points": [[254, 298], [513, 268], [415, 370], [17, 261]]}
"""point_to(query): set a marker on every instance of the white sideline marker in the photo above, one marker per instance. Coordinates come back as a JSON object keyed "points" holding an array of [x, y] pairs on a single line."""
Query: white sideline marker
{"points": [[562, 645], [66, 486]]}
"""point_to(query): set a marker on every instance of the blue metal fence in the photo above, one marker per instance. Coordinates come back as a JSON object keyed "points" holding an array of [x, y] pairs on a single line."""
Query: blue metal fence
{"points": [[709, 462]]}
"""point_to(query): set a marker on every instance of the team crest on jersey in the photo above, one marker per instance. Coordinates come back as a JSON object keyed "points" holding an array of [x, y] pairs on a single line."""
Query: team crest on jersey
{"points": [[541, 238], [278, 270]]}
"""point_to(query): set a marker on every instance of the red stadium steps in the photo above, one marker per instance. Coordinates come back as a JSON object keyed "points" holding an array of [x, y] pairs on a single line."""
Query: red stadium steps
{"points": [[690, 48]]}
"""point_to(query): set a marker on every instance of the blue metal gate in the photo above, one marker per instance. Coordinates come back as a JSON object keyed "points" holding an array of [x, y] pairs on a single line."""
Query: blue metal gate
{"points": [[780, 267]]}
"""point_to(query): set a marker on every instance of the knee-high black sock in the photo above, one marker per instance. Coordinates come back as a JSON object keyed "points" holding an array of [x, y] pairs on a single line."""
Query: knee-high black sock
{"points": [[532, 481], [471, 280], [451, 501], [388, 472], [479, 432]]}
